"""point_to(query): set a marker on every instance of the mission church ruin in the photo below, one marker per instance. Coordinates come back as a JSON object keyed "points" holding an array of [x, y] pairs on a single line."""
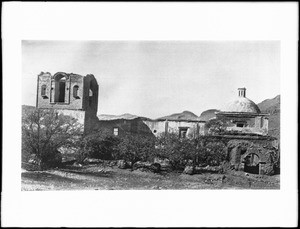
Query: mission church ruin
{"points": [[249, 146]]}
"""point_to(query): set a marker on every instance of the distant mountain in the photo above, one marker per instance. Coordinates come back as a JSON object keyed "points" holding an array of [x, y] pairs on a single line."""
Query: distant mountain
{"points": [[208, 114], [107, 117], [185, 115], [126, 116], [272, 106]]}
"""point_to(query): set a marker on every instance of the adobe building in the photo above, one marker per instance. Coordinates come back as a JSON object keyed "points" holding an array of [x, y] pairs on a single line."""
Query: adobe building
{"points": [[120, 125], [70, 94], [126, 123], [250, 148], [189, 128], [242, 115]]}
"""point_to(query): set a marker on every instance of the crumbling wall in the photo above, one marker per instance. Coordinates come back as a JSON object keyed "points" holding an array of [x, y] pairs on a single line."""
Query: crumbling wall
{"points": [[71, 101], [159, 127], [156, 127], [264, 149], [134, 126]]}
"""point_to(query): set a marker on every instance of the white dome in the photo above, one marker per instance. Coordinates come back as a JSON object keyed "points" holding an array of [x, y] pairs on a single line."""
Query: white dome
{"points": [[241, 104]]}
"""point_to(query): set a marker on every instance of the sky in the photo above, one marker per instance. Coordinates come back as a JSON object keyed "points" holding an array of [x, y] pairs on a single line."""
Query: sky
{"points": [[159, 78]]}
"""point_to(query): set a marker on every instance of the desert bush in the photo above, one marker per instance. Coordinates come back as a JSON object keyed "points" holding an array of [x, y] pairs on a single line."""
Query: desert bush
{"points": [[134, 147], [190, 151], [217, 126], [100, 145], [44, 132], [214, 153], [179, 151]]}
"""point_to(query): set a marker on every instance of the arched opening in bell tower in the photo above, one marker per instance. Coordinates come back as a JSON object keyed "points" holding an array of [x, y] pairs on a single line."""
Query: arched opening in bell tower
{"points": [[60, 88]]}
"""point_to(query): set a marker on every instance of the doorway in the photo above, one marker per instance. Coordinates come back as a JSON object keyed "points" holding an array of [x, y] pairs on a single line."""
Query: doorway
{"points": [[251, 163], [60, 89]]}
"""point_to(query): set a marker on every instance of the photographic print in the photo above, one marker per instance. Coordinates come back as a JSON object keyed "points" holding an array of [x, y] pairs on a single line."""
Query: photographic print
{"points": [[150, 115]]}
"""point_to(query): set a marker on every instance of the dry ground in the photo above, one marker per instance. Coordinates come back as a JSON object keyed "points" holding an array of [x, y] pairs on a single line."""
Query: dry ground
{"points": [[97, 177]]}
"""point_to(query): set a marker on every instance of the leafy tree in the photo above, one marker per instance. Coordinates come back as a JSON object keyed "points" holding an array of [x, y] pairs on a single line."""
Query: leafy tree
{"points": [[182, 151], [214, 153], [216, 126], [44, 132], [135, 147], [101, 145], [179, 151]]}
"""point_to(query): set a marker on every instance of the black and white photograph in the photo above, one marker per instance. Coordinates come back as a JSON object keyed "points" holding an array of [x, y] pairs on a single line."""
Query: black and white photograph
{"points": [[171, 114], [150, 115]]}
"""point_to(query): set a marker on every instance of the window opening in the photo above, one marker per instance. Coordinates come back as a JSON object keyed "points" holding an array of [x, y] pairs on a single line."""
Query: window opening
{"points": [[116, 131], [75, 92], [43, 90], [183, 132]]}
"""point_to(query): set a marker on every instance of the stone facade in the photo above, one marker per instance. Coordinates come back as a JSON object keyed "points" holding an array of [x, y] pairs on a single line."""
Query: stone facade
{"points": [[70, 94], [253, 154]]}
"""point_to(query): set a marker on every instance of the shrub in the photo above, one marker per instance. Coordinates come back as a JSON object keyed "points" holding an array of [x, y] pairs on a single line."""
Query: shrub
{"points": [[134, 147], [44, 132], [100, 145], [214, 153], [177, 150], [186, 151], [217, 126]]}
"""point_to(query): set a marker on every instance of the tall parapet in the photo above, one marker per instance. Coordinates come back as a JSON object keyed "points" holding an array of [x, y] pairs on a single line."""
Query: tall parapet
{"points": [[69, 93]]}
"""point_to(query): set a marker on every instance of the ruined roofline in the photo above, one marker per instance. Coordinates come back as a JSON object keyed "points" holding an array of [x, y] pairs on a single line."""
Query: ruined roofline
{"points": [[244, 136], [179, 120], [241, 113], [106, 117], [58, 108], [68, 74]]}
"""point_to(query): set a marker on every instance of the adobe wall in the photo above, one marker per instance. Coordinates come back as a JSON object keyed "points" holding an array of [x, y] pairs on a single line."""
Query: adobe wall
{"points": [[90, 103], [82, 105], [156, 127], [266, 149], [159, 127], [134, 126], [194, 128], [71, 102], [256, 124]]}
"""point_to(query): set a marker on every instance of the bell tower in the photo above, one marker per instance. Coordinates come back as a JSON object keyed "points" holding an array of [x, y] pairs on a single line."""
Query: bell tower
{"points": [[70, 94]]}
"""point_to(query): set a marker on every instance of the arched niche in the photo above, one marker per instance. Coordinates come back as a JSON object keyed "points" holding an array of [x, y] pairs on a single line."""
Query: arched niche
{"points": [[60, 88]]}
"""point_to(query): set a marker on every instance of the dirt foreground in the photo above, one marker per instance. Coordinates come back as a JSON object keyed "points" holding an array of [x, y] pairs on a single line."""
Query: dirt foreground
{"points": [[98, 177]]}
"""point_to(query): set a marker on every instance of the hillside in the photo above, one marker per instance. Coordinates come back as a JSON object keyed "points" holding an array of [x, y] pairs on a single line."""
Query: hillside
{"points": [[272, 106], [208, 114], [107, 117], [185, 115]]}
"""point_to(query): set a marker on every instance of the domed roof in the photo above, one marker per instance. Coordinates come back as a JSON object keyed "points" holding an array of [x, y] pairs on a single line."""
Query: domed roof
{"points": [[242, 104]]}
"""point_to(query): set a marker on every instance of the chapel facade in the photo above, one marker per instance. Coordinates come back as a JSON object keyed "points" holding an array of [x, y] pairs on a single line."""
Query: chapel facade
{"points": [[70, 94]]}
